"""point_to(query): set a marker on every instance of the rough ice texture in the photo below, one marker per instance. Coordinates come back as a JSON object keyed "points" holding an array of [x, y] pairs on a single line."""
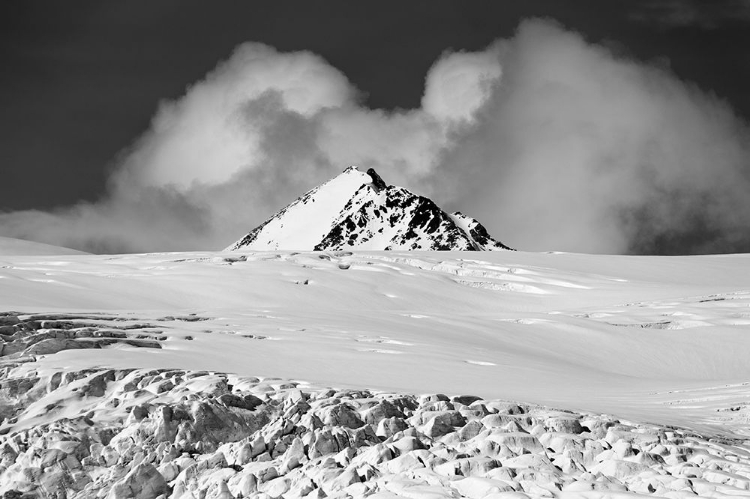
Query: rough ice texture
{"points": [[186, 434], [208, 375], [358, 210]]}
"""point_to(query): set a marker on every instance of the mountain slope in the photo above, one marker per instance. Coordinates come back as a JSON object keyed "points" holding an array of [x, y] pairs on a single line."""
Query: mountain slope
{"points": [[11, 246], [359, 210]]}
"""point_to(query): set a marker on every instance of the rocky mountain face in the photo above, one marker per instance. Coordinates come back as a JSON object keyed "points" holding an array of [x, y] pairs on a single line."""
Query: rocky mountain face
{"points": [[359, 210], [180, 434]]}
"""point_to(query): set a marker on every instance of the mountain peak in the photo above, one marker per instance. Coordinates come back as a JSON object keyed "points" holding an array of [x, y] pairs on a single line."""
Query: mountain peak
{"points": [[359, 210]]}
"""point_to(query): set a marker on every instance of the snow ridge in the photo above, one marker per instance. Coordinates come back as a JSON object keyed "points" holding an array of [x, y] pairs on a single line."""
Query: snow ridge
{"points": [[359, 210]]}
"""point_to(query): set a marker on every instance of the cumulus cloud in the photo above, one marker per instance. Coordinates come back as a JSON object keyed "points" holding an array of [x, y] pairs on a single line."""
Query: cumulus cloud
{"points": [[459, 84], [584, 151], [552, 142]]}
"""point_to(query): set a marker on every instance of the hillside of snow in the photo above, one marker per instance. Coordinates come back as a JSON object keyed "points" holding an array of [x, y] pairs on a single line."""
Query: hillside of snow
{"points": [[12, 246], [379, 374], [357, 210]]}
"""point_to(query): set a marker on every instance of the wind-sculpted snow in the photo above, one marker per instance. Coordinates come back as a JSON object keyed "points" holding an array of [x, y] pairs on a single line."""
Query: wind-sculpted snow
{"points": [[732, 308]]}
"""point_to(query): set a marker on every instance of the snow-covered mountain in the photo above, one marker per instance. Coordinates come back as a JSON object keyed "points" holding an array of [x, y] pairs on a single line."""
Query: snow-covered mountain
{"points": [[359, 210]]}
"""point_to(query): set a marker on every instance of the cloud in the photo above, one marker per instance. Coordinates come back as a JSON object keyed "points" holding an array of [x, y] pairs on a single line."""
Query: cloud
{"points": [[581, 150], [669, 14], [553, 143], [459, 83], [214, 131]]}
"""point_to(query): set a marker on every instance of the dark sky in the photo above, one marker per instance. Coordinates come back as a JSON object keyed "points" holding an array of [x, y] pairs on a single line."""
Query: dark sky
{"points": [[81, 80]]}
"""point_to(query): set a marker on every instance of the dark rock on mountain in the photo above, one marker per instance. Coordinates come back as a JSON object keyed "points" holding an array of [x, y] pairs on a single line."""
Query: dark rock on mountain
{"points": [[377, 182], [359, 210]]}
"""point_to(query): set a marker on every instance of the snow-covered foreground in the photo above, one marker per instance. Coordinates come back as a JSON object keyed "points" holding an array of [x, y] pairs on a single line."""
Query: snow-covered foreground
{"points": [[658, 340]]}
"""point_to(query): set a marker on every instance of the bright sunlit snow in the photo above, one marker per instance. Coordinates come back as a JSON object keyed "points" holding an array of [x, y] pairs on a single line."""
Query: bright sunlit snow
{"points": [[306, 221], [656, 338]]}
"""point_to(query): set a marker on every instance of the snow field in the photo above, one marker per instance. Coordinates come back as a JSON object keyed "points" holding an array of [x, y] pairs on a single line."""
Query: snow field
{"points": [[648, 355]]}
